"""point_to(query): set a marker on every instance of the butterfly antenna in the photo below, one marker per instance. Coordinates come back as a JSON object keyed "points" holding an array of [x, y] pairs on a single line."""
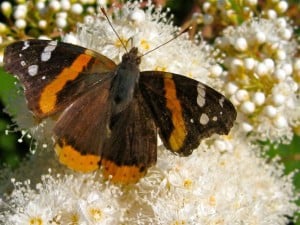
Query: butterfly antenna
{"points": [[104, 13], [173, 38]]}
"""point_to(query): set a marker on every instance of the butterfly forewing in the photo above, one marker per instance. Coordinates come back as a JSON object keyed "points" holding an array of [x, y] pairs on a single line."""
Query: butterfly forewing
{"points": [[54, 73], [185, 110]]}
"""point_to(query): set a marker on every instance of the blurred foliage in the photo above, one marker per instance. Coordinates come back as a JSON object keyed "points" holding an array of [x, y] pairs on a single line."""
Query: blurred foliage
{"points": [[11, 150], [290, 157]]}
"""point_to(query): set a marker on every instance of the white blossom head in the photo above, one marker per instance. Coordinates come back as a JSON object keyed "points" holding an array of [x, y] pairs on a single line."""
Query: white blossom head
{"points": [[259, 59]]}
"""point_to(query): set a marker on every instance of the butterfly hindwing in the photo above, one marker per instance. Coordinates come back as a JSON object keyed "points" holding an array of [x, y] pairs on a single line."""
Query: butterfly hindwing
{"points": [[54, 73], [185, 110], [82, 129], [132, 146], [124, 144]]}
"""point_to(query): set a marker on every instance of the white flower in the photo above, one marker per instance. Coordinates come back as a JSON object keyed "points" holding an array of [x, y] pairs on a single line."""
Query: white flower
{"points": [[241, 44], [64, 199], [6, 8], [282, 6], [42, 24], [61, 22], [65, 4], [97, 34], [100, 208], [265, 66], [208, 186], [20, 23], [77, 8], [55, 5], [20, 12]]}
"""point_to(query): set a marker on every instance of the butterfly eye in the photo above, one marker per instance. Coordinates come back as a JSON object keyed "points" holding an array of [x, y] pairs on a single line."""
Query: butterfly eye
{"points": [[138, 60]]}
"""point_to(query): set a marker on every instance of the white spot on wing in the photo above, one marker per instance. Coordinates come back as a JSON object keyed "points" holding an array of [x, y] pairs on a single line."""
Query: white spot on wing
{"points": [[204, 119], [51, 46], [221, 101], [46, 54], [23, 63], [201, 95], [26, 45], [215, 118], [33, 70]]}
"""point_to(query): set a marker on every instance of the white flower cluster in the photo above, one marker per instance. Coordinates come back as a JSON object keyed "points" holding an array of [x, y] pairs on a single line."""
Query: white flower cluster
{"points": [[260, 69], [209, 187], [224, 181], [62, 9], [230, 11], [146, 30]]}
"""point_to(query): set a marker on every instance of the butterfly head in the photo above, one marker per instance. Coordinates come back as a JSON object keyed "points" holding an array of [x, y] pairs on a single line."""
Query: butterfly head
{"points": [[132, 56]]}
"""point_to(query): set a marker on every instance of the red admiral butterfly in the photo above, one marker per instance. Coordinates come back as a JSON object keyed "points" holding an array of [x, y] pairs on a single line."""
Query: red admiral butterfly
{"points": [[109, 115]]}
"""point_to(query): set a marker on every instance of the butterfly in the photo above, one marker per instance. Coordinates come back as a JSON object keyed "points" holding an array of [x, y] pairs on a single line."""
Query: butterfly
{"points": [[109, 115]]}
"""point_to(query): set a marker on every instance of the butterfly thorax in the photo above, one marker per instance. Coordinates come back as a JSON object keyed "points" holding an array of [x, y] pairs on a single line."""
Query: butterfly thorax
{"points": [[125, 81]]}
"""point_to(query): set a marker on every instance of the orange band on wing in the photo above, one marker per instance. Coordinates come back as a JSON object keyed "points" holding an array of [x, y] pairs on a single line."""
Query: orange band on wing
{"points": [[122, 174], [178, 135], [73, 159], [49, 94]]}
